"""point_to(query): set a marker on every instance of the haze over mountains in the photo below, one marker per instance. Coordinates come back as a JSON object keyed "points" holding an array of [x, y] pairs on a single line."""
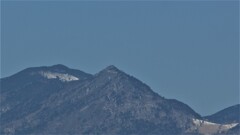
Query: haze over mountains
{"points": [[60, 100]]}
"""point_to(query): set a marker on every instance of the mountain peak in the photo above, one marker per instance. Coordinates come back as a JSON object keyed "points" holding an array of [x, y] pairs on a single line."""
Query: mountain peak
{"points": [[112, 67], [54, 72], [59, 66], [111, 70]]}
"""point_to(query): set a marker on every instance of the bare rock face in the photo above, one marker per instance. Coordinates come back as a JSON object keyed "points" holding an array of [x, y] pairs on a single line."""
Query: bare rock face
{"points": [[234, 131], [59, 100]]}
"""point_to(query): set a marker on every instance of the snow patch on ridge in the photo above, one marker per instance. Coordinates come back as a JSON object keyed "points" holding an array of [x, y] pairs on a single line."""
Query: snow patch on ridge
{"points": [[208, 128], [62, 77]]}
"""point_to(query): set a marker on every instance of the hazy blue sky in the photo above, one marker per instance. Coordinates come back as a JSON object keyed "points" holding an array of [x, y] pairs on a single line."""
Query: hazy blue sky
{"points": [[182, 50]]}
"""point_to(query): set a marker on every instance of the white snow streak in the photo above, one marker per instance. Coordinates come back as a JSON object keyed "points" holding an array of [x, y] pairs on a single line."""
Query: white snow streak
{"points": [[60, 76], [198, 122], [208, 128]]}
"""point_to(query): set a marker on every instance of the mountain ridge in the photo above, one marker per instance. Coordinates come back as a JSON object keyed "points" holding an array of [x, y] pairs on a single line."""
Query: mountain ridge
{"points": [[228, 115], [108, 102]]}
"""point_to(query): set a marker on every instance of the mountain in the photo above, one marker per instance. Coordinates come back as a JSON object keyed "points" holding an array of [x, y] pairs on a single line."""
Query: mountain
{"points": [[230, 117], [226, 116], [60, 100], [23, 93]]}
